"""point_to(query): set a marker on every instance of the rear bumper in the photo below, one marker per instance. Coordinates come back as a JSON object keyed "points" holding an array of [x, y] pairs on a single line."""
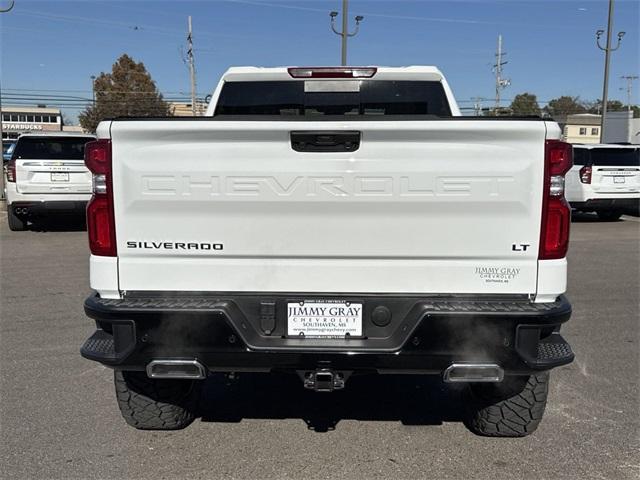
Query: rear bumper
{"points": [[43, 208], [241, 332], [607, 203]]}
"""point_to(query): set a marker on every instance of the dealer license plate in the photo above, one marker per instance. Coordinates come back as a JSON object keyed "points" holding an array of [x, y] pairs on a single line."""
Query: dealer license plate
{"points": [[324, 319], [59, 176], [618, 179]]}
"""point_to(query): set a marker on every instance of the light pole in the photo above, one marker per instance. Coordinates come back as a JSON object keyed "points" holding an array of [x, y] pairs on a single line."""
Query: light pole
{"points": [[93, 90], [8, 8], [345, 28], [607, 52]]}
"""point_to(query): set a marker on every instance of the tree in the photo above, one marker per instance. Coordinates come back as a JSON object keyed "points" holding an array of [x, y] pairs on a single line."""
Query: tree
{"points": [[525, 104], [128, 91], [560, 107], [612, 106]]}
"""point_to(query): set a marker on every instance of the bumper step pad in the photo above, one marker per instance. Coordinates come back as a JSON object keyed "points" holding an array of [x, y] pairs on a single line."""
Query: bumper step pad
{"points": [[554, 351], [101, 344]]}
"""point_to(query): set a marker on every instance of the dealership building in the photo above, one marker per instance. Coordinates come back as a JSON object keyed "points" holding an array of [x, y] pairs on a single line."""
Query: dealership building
{"points": [[26, 119]]}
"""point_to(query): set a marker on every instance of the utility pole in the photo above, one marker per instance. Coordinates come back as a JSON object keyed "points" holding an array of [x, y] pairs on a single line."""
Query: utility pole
{"points": [[501, 83], [477, 105], [345, 28], [629, 89], [8, 8], [607, 53], [192, 69]]}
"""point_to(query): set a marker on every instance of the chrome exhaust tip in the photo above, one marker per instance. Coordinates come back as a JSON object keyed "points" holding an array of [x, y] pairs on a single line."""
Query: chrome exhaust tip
{"points": [[473, 372], [176, 369]]}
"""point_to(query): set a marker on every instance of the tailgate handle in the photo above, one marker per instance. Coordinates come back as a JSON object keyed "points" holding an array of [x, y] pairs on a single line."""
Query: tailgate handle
{"points": [[305, 141]]}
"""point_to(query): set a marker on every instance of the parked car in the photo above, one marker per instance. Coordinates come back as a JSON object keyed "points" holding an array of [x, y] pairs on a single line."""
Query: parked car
{"points": [[7, 149], [46, 175], [604, 179], [330, 222]]}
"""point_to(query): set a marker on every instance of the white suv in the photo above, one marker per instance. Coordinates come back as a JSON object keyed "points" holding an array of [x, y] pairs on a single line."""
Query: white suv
{"points": [[604, 179], [46, 174]]}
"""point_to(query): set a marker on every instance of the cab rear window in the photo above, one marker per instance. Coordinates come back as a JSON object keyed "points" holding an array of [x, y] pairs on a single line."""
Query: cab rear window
{"points": [[614, 157], [347, 98], [51, 148]]}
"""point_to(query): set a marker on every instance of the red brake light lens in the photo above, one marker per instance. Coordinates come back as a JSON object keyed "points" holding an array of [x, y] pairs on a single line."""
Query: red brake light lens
{"points": [[556, 213], [332, 72], [100, 216], [585, 174], [559, 157], [97, 156]]}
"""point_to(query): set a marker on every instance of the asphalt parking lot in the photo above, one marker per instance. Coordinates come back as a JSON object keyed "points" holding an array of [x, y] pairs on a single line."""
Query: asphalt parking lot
{"points": [[59, 418]]}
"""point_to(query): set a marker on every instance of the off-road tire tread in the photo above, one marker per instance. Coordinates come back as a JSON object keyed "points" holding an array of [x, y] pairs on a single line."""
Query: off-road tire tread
{"points": [[517, 415], [148, 404]]}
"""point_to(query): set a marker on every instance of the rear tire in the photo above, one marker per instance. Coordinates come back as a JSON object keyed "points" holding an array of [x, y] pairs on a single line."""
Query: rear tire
{"points": [[512, 408], [609, 215], [151, 404], [16, 224]]}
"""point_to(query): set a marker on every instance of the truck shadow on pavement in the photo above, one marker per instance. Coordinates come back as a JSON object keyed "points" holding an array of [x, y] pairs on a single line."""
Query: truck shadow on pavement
{"points": [[62, 223], [411, 400]]}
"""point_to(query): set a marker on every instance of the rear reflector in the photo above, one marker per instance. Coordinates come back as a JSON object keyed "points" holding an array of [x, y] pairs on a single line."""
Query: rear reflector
{"points": [[100, 217], [556, 213], [332, 72]]}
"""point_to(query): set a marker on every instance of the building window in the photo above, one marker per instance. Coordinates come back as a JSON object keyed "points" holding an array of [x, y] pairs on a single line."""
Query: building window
{"points": [[38, 118], [53, 119], [583, 130], [594, 131], [29, 118], [14, 118], [22, 118], [6, 117]]}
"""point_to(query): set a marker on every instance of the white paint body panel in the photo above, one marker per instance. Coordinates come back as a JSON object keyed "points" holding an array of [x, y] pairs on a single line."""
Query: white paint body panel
{"points": [[420, 207], [415, 209]]}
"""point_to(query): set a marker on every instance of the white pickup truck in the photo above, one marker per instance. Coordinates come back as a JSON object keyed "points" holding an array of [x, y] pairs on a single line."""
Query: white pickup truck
{"points": [[330, 222]]}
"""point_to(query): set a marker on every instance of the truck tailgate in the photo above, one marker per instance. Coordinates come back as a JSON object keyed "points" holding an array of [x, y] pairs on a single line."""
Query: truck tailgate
{"points": [[421, 206]]}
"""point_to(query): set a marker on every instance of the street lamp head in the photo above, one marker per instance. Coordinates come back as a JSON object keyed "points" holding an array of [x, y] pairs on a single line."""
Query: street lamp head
{"points": [[621, 34], [359, 18], [333, 14], [599, 33]]}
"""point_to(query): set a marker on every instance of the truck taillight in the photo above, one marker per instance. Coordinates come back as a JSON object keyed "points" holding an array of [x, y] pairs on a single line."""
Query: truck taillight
{"points": [[100, 217], [11, 170], [585, 174], [556, 213], [332, 72]]}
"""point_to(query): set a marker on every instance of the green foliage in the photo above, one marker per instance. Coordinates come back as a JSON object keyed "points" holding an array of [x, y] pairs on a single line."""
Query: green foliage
{"points": [[612, 106], [525, 104], [128, 91], [560, 107]]}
